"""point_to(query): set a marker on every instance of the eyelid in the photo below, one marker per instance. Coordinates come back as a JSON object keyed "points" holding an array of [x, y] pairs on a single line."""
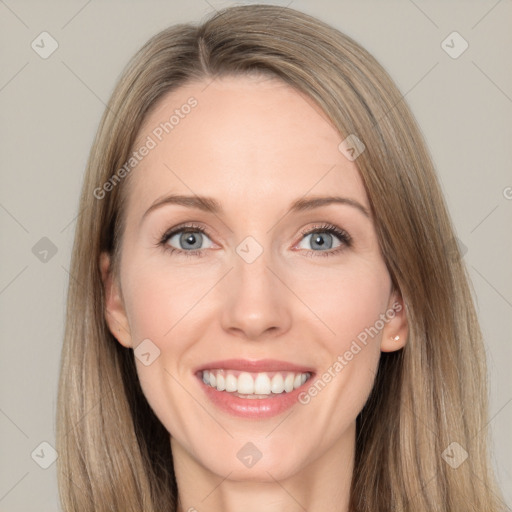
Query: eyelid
{"points": [[186, 226], [326, 227]]}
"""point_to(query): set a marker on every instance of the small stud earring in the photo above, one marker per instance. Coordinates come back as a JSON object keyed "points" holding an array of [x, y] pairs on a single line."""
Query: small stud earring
{"points": [[396, 338]]}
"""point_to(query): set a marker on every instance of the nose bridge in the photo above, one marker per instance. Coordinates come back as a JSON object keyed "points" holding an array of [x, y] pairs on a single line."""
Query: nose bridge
{"points": [[256, 302], [251, 266]]}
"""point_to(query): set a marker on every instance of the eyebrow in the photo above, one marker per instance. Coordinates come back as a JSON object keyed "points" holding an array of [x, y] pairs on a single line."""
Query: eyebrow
{"points": [[210, 205]]}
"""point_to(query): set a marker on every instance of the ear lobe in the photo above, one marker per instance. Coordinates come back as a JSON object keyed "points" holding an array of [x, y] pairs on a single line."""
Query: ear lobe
{"points": [[115, 314], [396, 330]]}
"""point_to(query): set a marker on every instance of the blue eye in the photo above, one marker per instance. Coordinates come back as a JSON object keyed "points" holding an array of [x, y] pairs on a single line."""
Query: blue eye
{"points": [[190, 238], [321, 238]]}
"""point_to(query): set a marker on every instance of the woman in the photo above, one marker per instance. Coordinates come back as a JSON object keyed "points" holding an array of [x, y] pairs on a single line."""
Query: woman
{"points": [[263, 375]]}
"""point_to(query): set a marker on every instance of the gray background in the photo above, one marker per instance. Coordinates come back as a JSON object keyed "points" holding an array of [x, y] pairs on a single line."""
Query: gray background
{"points": [[51, 109]]}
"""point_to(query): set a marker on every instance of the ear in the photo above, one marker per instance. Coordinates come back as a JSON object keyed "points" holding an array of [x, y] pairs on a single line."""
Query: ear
{"points": [[115, 314], [396, 330]]}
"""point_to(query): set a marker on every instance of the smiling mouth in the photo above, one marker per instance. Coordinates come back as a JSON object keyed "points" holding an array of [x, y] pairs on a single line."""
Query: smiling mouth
{"points": [[253, 385]]}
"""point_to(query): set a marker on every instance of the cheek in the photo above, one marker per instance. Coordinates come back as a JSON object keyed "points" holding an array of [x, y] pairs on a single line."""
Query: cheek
{"points": [[348, 301], [352, 309], [158, 298], [160, 307]]}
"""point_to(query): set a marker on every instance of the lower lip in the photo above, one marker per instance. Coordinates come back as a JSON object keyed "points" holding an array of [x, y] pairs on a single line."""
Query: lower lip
{"points": [[253, 408]]}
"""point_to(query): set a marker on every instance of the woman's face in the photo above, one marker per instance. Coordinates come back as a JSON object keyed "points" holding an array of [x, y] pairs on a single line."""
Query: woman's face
{"points": [[256, 301]]}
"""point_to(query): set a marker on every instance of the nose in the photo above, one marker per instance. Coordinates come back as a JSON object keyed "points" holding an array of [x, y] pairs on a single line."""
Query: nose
{"points": [[256, 303]]}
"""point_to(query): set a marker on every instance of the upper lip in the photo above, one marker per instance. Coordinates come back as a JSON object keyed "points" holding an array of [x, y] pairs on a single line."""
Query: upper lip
{"points": [[256, 366]]}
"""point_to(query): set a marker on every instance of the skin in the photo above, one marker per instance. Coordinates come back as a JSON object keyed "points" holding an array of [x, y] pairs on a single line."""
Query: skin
{"points": [[255, 145]]}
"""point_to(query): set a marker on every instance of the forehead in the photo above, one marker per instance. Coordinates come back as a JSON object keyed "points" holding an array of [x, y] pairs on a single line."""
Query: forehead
{"points": [[250, 142]]}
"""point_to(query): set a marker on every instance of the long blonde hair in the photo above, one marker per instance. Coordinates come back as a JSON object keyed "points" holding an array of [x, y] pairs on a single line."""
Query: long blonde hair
{"points": [[114, 454]]}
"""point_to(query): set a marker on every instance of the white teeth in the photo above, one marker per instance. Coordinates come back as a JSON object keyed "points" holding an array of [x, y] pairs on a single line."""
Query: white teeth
{"points": [[221, 382], [245, 384], [288, 382], [277, 383], [262, 384], [257, 385], [231, 382]]}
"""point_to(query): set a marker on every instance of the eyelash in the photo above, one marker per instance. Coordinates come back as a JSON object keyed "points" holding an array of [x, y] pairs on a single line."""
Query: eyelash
{"points": [[344, 237]]}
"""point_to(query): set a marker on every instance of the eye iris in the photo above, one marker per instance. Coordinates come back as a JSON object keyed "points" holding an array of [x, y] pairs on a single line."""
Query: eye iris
{"points": [[191, 238], [319, 239]]}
